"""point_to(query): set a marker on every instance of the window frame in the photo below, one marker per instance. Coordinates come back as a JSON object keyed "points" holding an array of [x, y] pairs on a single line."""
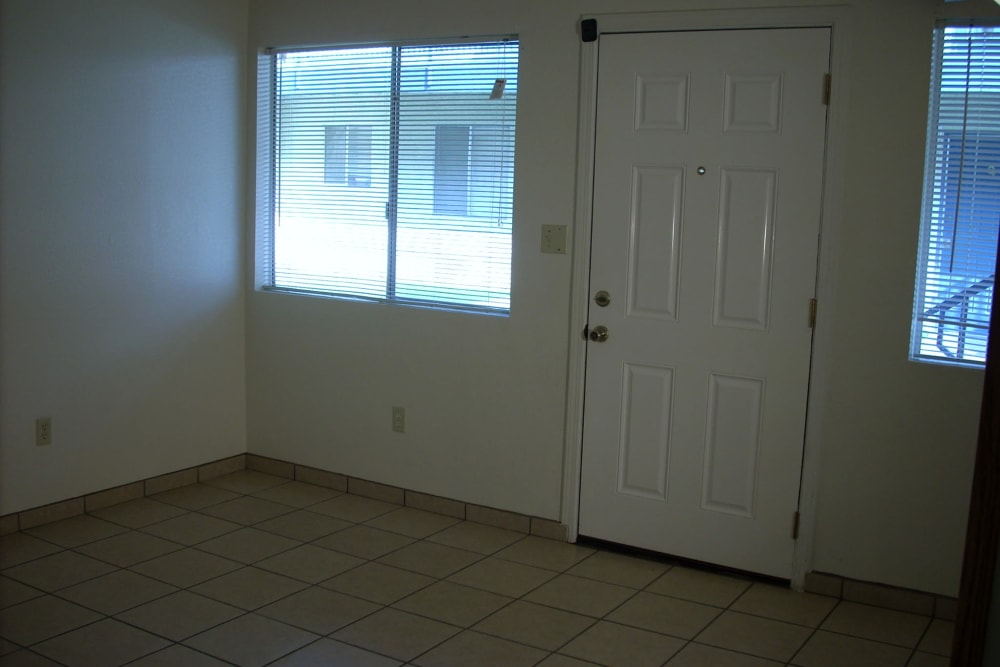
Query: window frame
{"points": [[267, 168], [939, 291]]}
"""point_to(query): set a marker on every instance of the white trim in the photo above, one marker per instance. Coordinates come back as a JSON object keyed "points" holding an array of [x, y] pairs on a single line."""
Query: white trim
{"points": [[580, 289], [834, 17]]}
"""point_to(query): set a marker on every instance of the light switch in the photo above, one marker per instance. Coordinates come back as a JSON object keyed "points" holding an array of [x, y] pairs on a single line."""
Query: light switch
{"points": [[554, 239]]}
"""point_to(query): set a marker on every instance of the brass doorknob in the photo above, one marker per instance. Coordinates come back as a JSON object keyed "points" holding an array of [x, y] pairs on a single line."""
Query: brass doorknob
{"points": [[599, 334]]}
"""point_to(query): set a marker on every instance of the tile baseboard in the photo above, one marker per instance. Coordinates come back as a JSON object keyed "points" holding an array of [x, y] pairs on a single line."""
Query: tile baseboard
{"points": [[64, 509], [882, 595], [831, 585]]}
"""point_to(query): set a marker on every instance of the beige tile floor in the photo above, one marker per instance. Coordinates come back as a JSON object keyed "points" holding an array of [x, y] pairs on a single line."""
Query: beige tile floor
{"points": [[251, 569]]}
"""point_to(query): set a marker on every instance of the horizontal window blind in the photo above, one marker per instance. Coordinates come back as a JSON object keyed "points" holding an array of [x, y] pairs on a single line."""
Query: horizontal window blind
{"points": [[961, 204], [393, 172]]}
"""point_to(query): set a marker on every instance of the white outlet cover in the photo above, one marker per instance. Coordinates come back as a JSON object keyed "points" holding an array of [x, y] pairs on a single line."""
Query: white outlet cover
{"points": [[554, 239]]}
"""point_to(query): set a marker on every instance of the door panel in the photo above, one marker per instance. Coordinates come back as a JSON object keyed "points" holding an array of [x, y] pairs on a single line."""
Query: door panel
{"points": [[707, 185]]}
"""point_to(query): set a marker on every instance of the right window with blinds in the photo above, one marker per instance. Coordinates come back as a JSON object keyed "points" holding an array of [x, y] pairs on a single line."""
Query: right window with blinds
{"points": [[961, 198]]}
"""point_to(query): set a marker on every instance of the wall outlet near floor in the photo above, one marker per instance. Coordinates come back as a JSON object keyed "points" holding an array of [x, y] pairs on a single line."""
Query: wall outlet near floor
{"points": [[43, 431], [398, 419]]}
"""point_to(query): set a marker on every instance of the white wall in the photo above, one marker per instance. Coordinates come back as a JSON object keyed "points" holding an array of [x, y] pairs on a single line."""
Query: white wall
{"points": [[485, 397], [121, 289]]}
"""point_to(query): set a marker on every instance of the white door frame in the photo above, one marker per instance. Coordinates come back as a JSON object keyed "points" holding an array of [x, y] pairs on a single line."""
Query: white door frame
{"points": [[837, 19]]}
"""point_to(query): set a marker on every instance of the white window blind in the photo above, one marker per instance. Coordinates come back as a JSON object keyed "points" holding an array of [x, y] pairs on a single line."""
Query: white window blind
{"points": [[392, 172], [961, 203]]}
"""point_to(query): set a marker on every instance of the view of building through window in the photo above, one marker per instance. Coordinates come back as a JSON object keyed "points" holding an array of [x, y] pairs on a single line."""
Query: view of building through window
{"points": [[961, 204], [393, 172]]}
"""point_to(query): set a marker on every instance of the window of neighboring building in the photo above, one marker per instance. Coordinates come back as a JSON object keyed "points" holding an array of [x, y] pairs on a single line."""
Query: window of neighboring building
{"points": [[961, 203], [348, 155], [466, 181], [386, 172]]}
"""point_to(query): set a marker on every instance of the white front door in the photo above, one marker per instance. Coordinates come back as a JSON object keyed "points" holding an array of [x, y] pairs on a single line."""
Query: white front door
{"points": [[707, 184]]}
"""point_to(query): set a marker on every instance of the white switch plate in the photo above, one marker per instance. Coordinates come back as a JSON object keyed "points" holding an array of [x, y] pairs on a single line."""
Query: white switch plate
{"points": [[554, 239]]}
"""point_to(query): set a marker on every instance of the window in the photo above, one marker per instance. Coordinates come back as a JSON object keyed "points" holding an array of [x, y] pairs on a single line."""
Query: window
{"points": [[961, 203], [387, 172]]}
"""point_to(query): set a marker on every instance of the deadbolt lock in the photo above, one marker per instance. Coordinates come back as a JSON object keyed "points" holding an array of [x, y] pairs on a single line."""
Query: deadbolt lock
{"points": [[602, 299]]}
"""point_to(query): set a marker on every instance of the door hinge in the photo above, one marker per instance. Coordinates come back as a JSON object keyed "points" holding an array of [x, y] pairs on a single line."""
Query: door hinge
{"points": [[795, 526], [827, 85], [812, 313]]}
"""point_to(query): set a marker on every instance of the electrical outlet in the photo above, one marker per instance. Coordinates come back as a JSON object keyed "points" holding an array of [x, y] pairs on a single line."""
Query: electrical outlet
{"points": [[43, 431], [398, 419]]}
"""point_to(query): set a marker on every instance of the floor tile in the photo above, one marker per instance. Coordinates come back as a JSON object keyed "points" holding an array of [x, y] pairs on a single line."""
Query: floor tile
{"points": [[620, 569], [251, 640], [186, 567], [180, 615], [556, 660], [59, 570], [14, 592], [248, 545], [364, 541], [535, 625], [670, 616], [920, 659], [332, 653], [882, 625], [762, 637], [378, 583], [503, 577], [582, 596], [138, 513], [699, 586], [27, 658], [827, 649], [41, 618], [249, 588], [547, 554], [783, 604], [412, 522], [191, 528], [76, 531], [128, 548], [476, 537], [621, 646], [472, 648], [195, 496], [434, 560], [318, 610], [396, 633], [247, 510], [453, 603], [6, 647], [699, 655], [303, 525], [176, 655], [102, 644], [353, 508], [297, 494], [938, 637], [246, 481], [115, 592], [310, 564], [18, 548]]}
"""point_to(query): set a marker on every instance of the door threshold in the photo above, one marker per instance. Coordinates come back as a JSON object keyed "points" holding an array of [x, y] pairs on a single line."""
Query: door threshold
{"points": [[690, 563]]}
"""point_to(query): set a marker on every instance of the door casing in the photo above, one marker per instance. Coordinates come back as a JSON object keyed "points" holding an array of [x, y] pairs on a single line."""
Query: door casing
{"points": [[833, 17]]}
